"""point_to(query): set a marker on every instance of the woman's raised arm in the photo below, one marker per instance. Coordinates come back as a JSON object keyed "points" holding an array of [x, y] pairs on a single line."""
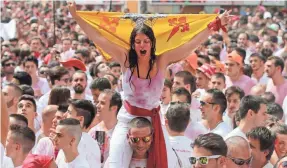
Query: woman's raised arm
{"points": [[184, 50], [118, 53]]}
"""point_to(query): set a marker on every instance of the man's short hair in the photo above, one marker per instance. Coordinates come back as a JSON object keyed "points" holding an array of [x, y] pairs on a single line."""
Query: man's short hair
{"points": [[258, 55], [20, 119], [24, 136], [275, 110], [80, 72], [23, 78], [140, 122], [56, 73], [242, 52], [114, 64], [63, 108], [178, 116], [277, 61], [182, 92], [17, 90], [211, 142], [188, 78], [4, 60], [168, 83], [250, 102], [28, 90], [265, 137], [247, 70], [100, 84], [218, 98], [29, 98], [84, 52], [268, 97], [279, 128], [31, 58], [73, 127], [236, 143], [253, 38], [219, 75], [84, 108], [116, 99]]}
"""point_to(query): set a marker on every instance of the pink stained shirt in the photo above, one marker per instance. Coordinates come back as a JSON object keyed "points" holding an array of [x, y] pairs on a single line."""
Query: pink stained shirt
{"points": [[244, 82], [280, 92]]}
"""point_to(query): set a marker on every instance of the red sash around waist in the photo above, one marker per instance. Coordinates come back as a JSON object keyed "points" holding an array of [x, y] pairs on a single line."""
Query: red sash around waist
{"points": [[157, 156]]}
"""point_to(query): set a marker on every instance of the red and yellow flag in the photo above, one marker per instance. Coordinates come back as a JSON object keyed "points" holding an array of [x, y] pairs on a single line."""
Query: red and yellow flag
{"points": [[171, 30]]}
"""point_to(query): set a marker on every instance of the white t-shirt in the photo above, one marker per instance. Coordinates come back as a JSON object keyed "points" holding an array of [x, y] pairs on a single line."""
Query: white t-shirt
{"points": [[227, 120], [2, 152], [182, 147], [236, 132], [42, 85], [78, 162], [45, 147], [138, 163], [88, 148], [105, 138], [268, 165], [222, 129], [194, 129], [7, 162], [263, 80], [279, 52]]}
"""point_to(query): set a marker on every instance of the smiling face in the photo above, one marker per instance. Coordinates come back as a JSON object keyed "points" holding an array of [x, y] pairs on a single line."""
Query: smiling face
{"points": [[140, 148], [142, 46]]}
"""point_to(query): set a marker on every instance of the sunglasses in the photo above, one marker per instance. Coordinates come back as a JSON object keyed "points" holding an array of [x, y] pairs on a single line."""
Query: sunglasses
{"points": [[9, 64], [145, 139], [203, 160], [240, 162], [283, 164], [203, 103]]}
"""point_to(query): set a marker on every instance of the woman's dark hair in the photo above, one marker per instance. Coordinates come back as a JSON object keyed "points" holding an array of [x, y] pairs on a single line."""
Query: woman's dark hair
{"points": [[133, 57], [59, 95]]}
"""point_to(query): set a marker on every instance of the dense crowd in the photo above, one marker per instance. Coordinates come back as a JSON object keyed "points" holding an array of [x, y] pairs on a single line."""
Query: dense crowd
{"points": [[221, 104]]}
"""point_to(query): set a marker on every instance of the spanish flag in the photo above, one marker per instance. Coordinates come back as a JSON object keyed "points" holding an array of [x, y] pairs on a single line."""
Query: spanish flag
{"points": [[171, 30]]}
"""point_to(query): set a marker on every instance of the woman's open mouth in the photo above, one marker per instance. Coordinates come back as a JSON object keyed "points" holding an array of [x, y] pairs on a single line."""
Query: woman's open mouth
{"points": [[143, 52]]}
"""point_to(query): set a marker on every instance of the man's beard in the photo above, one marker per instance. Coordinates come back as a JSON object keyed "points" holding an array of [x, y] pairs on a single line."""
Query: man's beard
{"points": [[79, 89]]}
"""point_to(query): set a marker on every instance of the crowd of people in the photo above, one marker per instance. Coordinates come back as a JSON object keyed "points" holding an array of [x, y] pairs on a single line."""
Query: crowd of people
{"points": [[221, 103]]}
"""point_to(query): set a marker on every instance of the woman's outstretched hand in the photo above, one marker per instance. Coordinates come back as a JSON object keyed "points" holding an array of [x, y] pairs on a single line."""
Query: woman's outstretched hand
{"points": [[225, 18], [72, 7]]}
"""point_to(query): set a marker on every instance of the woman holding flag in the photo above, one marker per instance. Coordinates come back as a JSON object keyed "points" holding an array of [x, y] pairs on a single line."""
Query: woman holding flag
{"points": [[143, 81]]}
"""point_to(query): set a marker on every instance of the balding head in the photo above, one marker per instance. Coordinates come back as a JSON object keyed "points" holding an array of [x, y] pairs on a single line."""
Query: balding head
{"points": [[238, 148], [258, 90], [237, 143], [49, 113]]}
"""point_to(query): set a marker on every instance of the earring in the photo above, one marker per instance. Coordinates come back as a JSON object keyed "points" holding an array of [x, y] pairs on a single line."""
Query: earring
{"points": [[133, 47]]}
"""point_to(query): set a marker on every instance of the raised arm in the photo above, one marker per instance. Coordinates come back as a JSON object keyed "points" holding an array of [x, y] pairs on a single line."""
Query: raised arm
{"points": [[118, 53], [184, 50]]}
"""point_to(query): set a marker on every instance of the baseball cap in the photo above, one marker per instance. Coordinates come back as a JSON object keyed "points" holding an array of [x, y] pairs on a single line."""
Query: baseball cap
{"points": [[233, 56], [74, 63], [207, 70], [192, 60], [274, 27]]}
